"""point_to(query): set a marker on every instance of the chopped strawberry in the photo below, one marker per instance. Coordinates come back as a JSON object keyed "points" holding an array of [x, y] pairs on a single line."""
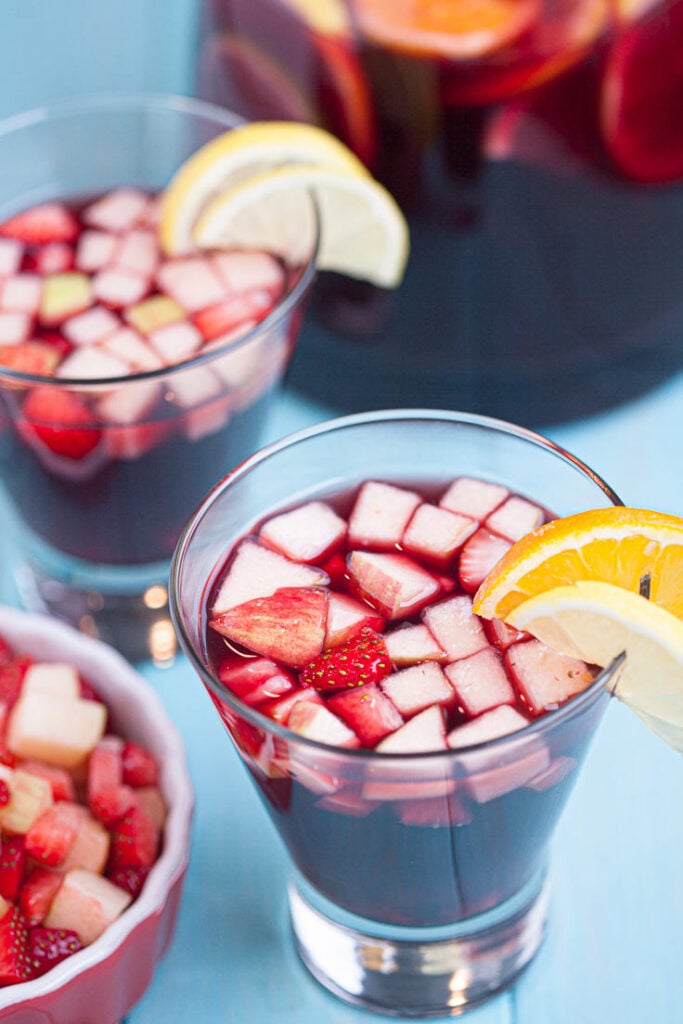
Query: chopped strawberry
{"points": [[49, 222], [368, 712], [37, 893], [6, 651], [53, 833], [49, 946], [225, 316], [289, 625], [5, 795], [12, 676], [12, 866], [62, 421], [362, 659], [129, 878], [6, 756], [108, 797], [478, 557], [15, 962], [30, 357], [140, 768], [134, 841]]}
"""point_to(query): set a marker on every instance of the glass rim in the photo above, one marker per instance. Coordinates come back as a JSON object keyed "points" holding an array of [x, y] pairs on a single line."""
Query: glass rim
{"points": [[536, 727], [187, 106]]}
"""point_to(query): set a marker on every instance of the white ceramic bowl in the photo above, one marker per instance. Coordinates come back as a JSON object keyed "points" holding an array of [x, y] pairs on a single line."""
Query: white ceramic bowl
{"points": [[100, 984]]}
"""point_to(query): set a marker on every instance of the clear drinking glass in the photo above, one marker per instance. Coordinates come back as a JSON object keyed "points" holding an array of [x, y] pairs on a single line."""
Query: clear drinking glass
{"points": [[96, 533], [418, 882]]}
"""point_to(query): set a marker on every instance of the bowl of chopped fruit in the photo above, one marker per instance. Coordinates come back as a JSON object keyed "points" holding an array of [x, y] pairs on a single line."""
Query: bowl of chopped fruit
{"points": [[95, 814]]}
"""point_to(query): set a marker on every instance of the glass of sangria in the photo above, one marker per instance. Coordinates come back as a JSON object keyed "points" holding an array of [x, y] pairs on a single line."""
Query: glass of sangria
{"points": [[414, 760], [535, 148], [128, 381]]}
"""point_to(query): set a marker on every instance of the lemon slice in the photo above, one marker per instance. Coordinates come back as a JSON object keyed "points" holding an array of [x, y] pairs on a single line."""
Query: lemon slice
{"points": [[598, 621], [362, 230], [237, 156]]}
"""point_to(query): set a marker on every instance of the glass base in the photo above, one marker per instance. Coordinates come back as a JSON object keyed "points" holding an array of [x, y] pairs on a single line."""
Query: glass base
{"points": [[126, 607], [418, 972]]}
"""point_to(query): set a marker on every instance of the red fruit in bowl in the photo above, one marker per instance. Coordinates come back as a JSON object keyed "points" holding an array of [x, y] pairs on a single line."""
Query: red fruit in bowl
{"points": [[49, 946], [361, 660], [61, 421], [642, 97], [50, 222], [15, 963]]}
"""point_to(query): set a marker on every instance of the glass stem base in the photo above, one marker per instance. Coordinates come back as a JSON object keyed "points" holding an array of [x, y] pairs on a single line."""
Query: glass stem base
{"points": [[418, 972]]}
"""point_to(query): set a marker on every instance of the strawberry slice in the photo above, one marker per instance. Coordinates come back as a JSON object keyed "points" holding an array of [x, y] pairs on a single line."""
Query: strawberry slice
{"points": [[30, 357], [12, 866], [360, 660], [288, 626], [53, 833], [15, 962], [108, 797], [49, 222], [12, 676], [49, 946], [62, 421], [139, 767], [37, 893], [478, 557], [129, 878], [134, 841], [368, 712]]}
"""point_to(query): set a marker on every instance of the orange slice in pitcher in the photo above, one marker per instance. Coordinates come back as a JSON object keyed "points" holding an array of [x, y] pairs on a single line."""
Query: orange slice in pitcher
{"points": [[451, 29], [620, 546]]}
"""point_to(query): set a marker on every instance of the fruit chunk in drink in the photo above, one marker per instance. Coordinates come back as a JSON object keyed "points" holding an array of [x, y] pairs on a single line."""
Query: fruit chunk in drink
{"points": [[348, 621]]}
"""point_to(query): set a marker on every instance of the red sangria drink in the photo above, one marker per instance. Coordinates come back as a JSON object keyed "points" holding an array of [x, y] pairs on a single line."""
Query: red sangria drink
{"points": [[126, 376], [324, 593], [535, 148]]}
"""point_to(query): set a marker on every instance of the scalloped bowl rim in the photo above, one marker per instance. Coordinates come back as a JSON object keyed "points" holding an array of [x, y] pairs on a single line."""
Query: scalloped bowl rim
{"points": [[173, 860]]}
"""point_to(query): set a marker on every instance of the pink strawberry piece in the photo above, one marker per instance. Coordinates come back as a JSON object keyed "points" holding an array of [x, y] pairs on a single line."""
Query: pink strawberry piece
{"points": [[256, 680], [129, 346], [108, 797], [90, 327], [412, 644], [48, 222], [474, 498], [368, 712], [226, 316], [380, 515], [245, 271], [515, 518], [138, 251], [418, 687], [435, 534], [501, 635], [480, 682], [192, 282], [37, 892], [47, 947], [289, 625], [545, 678], [307, 534], [11, 252], [53, 833], [279, 710], [175, 342], [12, 866], [21, 294], [117, 211], [478, 557], [54, 258], [12, 673], [61, 421], [345, 617], [119, 288], [139, 766], [394, 584], [14, 328], [134, 841], [317, 722], [256, 571], [5, 794], [129, 878], [15, 962], [60, 780], [95, 250], [30, 357], [360, 660], [455, 627], [426, 731], [91, 363]]}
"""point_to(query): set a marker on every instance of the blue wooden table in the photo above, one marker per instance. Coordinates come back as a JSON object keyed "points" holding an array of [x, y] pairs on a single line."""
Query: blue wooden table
{"points": [[614, 950]]}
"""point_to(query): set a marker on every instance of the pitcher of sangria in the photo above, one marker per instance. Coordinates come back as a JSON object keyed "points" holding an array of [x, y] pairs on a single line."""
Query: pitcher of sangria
{"points": [[536, 148]]}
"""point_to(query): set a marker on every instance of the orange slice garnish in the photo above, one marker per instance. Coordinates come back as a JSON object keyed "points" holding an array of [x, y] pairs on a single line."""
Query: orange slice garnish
{"points": [[452, 29], [620, 546]]}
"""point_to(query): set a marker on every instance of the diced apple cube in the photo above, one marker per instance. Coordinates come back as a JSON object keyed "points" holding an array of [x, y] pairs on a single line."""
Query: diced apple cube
{"points": [[249, 271], [256, 680], [455, 627], [29, 797], [175, 342], [14, 328], [474, 498], [515, 518], [502, 635], [380, 515], [138, 251], [54, 258], [54, 729], [316, 722], [396, 585], [119, 288], [279, 710], [544, 677], [95, 250], [204, 420], [117, 211], [436, 534], [152, 803], [90, 327], [256, 571], [53, 677], [412, 644], [21, 294], [126, 344], [307, 534], [64, 295], [345, 617], [191, 282], [480, 682], [193, 387], [426, 731], [11, 252], [153, 313], [129, 404], [90, 847], [92, 363], [418, 687], [86, 903]]}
